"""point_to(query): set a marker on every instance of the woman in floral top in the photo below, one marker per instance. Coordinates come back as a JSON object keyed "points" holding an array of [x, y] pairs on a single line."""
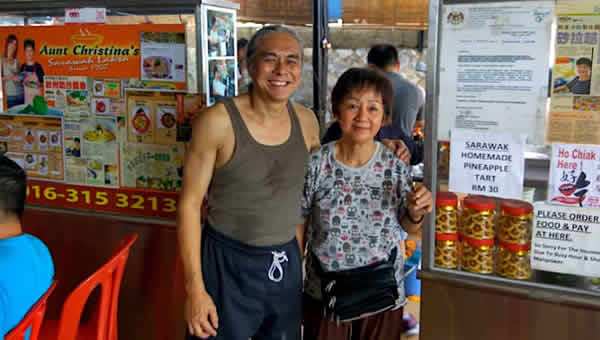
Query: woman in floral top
{"points": [[360, 201]]}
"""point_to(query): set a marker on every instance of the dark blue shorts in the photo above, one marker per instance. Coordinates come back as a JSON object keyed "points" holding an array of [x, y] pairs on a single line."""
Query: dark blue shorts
{"points": [[257, 290]]}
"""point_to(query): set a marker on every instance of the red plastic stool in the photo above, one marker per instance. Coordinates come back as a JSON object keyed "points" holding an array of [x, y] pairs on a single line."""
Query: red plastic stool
{"points": [[33, 319]]}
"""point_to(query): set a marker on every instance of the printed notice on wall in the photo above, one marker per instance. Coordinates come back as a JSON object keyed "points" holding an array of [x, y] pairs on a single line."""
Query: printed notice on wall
{"points": [[494, 66], [486, 163], [575, 104], [575, 175], [566, 240]]}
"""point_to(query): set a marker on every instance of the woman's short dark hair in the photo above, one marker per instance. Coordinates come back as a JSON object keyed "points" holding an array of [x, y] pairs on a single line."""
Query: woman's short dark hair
{"points": [[9, 39], [359, 79]]}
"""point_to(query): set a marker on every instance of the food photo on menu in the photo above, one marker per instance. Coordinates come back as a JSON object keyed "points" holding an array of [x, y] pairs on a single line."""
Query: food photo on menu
{"points": [[158, 67], [99, 134]]}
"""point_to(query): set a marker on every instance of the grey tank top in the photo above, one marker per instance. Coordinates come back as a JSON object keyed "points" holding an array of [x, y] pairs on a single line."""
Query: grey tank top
{"points": [[255, 197]]}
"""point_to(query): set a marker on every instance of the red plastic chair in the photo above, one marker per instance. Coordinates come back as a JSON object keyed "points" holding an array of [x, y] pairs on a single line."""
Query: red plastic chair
{"points": [[103, 325], [33, 319]]}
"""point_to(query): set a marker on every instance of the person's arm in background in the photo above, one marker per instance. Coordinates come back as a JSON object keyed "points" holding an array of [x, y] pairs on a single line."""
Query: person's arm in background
{"points": [[420, 122]]}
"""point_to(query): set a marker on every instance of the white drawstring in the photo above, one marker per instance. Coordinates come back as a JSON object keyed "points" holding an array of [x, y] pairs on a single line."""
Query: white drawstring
{"points": [[278, 259]]}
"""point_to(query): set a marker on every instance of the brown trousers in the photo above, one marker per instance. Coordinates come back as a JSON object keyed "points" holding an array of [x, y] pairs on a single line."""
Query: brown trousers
{"points": [[383, 326]]}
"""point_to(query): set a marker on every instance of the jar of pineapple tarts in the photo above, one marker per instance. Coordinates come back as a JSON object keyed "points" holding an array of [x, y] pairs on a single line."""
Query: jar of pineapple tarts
{"points": [[446, 251], [513, 261], [477, 219], [515, 222], [446, 213], [477, 255]]}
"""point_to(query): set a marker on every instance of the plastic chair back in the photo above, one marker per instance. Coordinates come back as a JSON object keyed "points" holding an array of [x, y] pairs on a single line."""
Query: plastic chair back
{"points": [[105, 315], [33, 319]]}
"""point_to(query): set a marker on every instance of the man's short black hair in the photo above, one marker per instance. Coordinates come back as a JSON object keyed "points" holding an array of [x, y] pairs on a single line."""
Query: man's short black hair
{"points": [[359, 79], [29, 43], [584, 61], [76, 139], [382, 55], [241, 43], [13, 188]]}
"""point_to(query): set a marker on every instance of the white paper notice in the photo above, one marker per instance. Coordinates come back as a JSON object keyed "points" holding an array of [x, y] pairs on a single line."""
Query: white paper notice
{"points": [[85, 15], [486, 163], [494, 66], [575, 175], [566, 240]]}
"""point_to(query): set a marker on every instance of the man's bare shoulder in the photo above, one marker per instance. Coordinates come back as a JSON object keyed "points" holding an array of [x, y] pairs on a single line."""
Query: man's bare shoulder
{"points": [[310, 126], [212, 123], [213, 117], [307, 118]]}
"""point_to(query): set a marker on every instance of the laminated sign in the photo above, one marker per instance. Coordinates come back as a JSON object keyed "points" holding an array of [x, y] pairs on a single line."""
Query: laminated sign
{"points": [[486, 163], [575, 175], [566, 240]]}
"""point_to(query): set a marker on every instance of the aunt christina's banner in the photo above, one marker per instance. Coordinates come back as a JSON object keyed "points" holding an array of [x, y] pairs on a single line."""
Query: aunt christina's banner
{"points": [[112, 51]]}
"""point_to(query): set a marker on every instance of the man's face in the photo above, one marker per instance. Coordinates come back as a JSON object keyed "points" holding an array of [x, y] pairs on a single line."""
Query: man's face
{"points": [[583, 70], [277, 66], [77, 146]]}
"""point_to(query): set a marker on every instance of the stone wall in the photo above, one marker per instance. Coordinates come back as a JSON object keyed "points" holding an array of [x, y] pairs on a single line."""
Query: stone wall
{"points": [[342, 59], [349, 49]]}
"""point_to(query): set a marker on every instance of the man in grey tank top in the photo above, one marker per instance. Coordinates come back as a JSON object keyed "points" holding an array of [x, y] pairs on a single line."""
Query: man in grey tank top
{"points": [[243, 269]]}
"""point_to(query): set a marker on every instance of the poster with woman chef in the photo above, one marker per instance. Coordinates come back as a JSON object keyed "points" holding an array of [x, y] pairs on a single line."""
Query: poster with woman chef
{"points": [[33, 56], [575, 175]]}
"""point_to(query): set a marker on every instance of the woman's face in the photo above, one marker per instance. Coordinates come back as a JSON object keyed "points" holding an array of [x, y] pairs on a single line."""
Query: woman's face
{"points": [[29, 53], [360, 115], [11, 49]]}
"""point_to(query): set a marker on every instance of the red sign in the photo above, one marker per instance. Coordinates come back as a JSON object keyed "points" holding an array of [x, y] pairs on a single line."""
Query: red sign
{"points": [[133, 202]]}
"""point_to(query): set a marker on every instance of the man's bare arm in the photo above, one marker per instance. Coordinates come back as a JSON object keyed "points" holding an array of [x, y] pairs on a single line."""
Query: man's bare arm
{"points": [[310, 127], [208, 132]]}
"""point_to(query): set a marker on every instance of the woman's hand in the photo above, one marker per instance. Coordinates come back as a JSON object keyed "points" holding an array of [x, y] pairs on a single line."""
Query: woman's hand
{"points": [[420, 201]]}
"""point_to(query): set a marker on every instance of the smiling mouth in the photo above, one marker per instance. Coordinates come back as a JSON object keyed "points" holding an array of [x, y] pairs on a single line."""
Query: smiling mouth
{"points": [[278, 83]]}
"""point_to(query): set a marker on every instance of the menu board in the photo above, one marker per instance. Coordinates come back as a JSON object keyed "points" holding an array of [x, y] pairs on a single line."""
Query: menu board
{"points": [[151, 118], [152, 166], [66, 110], [35, 143], [91, 147], [152, 150]]}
